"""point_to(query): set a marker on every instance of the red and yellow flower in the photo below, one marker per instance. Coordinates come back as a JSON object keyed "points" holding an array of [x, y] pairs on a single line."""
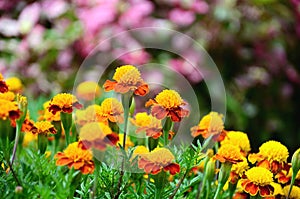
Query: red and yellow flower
{"points": [[160, 159], [168, 103], [211, 124], [3, 85], [91, 114], [295, 193], [239, 139], [77, 157], [229, 153], [127, 78], [47, 115], [63, 102], [272, 155], [151, 125], [9, 110], [111, 110], [9, 96], [88, 90], [43, 127], [238, 171], [97, 135], [258, 180]]}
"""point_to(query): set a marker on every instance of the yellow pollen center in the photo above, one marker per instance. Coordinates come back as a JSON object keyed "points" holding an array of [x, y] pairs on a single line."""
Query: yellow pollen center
{"points": [[260, 176], [239, 139], [63, 100], [230, 152], [127, 74], [111, 106], [274, 151], [43, 126], [76, 153], [169, 99], [142, 119]]}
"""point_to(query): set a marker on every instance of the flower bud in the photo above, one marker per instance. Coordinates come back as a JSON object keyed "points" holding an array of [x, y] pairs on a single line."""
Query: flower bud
{"points": [[18, 189], [296, 162]]}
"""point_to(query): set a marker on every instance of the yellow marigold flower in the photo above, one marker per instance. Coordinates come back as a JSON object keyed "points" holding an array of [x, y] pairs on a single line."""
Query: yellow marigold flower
{"points": [[127, 78], [111, 109], [88, 90], [284, 175], [211, 124], [3, 85], [238, 170], [151, 125], [295, 193], [278, 191], [9, 96], [139, 151], [43, 127], [75, 156], [129, 143], [9, 109], [14, 84], [229, 153], [91, 114], [168, 103], [239, 139], [272, 155], [28, 138], [141, 119], [97, 135], [47, 115], [63, 102], [157, 160], [258, 179]]}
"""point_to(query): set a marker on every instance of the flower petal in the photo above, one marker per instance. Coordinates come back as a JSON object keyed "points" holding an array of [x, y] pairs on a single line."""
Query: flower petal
{"points": [[109, 85], [158, 112], [173, 168], [142, 90]]}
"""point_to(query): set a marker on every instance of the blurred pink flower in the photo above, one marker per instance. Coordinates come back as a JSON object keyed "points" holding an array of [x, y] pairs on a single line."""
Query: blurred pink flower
{"points": [[54, 8], [35, 37], [29, 17], [200, 7], [9, 27], [135, 13], [182, 17], [138, 57]]}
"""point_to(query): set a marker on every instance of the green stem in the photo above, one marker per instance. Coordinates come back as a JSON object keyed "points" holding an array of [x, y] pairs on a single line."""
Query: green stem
{"points": [[232, 188], [166, 129], [18, 131], [96, 174], [291, 184], [66, 119], [219, 189]]}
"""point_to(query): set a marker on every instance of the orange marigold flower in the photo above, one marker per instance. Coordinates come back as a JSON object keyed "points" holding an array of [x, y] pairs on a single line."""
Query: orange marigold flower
{"points": [[258, 179], [9, 96], [47, 115], [111, 109], [9, 109], [238, 170], [229, 153], [91, 114], [3, 85], [157, 160], [127, 78], [211, 124], [97, 135], [75, 156], [272, 155], [285, 175], [239, 139], [43, 127], [138, 152], [64, 102], [151, 125], [14, 84], [88, 90], [168, 103]]}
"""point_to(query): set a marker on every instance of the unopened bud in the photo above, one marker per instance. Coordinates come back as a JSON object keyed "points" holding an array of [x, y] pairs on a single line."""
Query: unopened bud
{"points": [[18, 189], [296, 162]]}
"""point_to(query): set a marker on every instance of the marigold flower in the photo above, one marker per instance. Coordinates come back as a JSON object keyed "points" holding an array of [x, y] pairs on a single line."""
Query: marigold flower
{"points": [[285, 175], [127, 78], [238, 170], [47, 115], [272, 155], [211, 124], [75, 156], [43, 127], [9, 96], [139, 151], [9, 109], [239, 139], [168, 103], [129, 143], [295, 193], [111, 109], [63, 102], [14, 84], [157, 160], [278, 191], [91, 114], [28, 138], [229, 153], [258, 179], [97, 135], [88, 90], [3, 85], [151, 125]]}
